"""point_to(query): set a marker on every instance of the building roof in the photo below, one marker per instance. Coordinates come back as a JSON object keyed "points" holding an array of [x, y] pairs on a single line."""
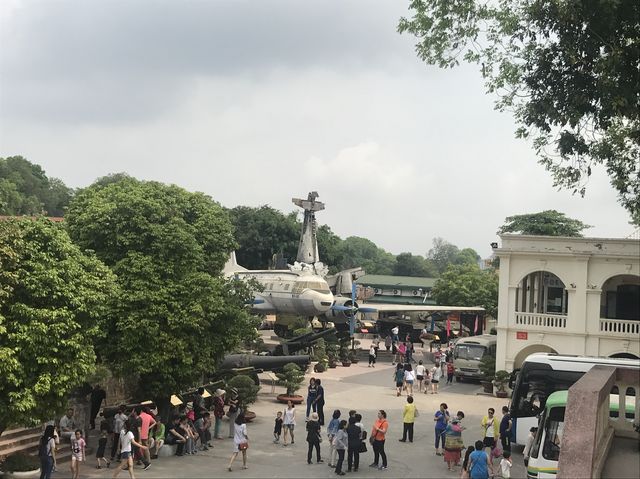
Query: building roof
{"points": [[405, 300], [398, 282]]}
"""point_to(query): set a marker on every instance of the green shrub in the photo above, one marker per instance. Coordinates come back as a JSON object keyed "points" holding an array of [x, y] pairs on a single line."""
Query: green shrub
{"points": [[292, 378], [488, 367], [247, 389], [20, 462]]}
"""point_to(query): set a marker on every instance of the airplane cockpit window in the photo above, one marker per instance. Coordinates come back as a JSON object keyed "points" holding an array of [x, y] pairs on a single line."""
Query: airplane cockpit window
{"points": [[318, 287]]}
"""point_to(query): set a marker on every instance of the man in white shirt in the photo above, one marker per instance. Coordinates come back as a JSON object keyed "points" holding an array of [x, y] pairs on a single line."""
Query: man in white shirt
{"points": [[67, 425]]}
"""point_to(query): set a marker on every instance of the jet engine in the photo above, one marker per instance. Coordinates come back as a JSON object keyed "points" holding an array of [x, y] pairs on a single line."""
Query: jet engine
{"points": [[344, 310]]}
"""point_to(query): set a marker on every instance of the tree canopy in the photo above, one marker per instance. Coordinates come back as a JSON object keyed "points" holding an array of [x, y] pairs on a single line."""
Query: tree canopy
{"points": [[356, 251], [176, 316], [468, 285], [25, 189], [54, 303], [567, 69], [408, 264], [547, 223], [442, 254], [263, 232]]}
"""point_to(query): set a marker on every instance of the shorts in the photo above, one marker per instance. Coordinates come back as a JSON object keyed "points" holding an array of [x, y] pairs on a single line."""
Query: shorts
{"points": [[434, 381], [289, 426], [489, 442], [399, 384], [409, 381], [125, 455], [76, 458], [420, 378]]}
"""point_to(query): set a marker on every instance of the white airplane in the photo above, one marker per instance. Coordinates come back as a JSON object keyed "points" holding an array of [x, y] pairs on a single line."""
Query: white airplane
{"points": [[285, 291]]}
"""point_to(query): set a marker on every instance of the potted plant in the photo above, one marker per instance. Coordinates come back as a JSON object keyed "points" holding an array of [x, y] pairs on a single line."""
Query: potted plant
{"points": [[291, 378], [247, 394], [20, 465], [500, 380], [344, 354], [332, 354], [488, 370]]}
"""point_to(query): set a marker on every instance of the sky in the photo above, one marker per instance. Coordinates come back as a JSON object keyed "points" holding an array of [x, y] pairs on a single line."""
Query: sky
{"points": [[256, 102]]}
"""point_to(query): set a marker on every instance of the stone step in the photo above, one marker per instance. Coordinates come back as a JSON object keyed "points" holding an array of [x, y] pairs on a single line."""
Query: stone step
{"points": [[19, 431], [16, 441]]}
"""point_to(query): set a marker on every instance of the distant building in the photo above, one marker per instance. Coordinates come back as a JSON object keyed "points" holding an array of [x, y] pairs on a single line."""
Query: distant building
{"points": [[567, 295], [397, 289]]}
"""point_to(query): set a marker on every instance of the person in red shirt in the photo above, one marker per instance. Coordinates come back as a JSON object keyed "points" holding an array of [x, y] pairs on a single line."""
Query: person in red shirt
{"points": [[146, 422], [450, 371]]}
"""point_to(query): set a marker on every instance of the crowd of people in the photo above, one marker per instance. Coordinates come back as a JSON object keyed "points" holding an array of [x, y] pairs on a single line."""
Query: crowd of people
{"points": [[136, 436]]}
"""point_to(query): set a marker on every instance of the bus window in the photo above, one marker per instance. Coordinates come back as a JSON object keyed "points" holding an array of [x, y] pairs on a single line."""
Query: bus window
{"points": [[472, 352], [553, 429]]}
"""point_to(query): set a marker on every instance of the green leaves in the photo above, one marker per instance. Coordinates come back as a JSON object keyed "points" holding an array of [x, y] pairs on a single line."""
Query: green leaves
{"points": [[546, 223], [54, 302], [468, 285], [175, 317], [567, 71]]}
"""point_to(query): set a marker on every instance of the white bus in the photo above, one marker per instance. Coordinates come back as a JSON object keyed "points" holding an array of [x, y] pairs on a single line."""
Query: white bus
{"points": [[541, 375], [468, 352]]}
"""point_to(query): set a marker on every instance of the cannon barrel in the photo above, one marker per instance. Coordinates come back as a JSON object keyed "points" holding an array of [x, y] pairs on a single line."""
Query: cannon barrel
{"points": [[267, 363], [302, 342]]}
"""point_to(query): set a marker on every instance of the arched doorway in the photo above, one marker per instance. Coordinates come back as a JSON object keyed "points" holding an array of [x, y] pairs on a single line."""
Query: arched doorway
{"points": [[542, 292], [534, 348], [620, 297]]}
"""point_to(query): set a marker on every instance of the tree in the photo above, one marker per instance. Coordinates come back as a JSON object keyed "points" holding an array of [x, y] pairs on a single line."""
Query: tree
{"points": [[176, 316], [26, 190], [356, 251], [417, 266], [467, 256], [263, 232], [442, 254], [468, 285], [54, 303], [546, 223], [329, 248], [567, 70]]}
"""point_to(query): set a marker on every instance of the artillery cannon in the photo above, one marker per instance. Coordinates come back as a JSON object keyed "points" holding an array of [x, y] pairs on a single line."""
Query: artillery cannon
{"points": [[301, 342]]}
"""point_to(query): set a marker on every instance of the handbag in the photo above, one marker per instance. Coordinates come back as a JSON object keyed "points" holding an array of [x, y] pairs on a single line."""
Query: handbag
{"points": [[243, 446], [371, 440], [363, 446], [319, 437]]}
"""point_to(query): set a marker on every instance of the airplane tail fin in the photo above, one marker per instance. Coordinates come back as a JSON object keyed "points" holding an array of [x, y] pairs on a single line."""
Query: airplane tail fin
{"points": [[232, 266]]}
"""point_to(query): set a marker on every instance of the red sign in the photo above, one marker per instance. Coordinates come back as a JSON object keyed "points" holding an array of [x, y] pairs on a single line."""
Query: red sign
{"points": [[522, 335]]}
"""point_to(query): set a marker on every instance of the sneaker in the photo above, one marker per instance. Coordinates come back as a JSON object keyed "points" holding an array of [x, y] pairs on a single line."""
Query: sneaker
{"points": [[373, 464], [146, 467], [403, 440], [382, 468], [293, 442], [341, 473], [319, 461]]}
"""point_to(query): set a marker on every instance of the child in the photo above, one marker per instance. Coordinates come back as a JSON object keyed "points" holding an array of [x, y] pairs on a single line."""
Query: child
{"points": [[102, 445], [465, 464], [372, 357], [528, 443], [505, 465], [77, 453], [277, 429], [450, 371]]}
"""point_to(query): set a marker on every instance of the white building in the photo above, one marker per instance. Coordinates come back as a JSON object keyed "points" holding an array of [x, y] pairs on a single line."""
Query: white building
{"points": [[569, 296]]}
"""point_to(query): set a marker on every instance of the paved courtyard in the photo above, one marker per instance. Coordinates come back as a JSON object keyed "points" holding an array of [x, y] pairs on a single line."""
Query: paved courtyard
{"points": [[357, 387]]}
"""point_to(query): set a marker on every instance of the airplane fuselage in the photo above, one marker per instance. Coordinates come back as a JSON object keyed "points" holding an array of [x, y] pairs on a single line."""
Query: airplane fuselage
{"points": [[288, 292]]}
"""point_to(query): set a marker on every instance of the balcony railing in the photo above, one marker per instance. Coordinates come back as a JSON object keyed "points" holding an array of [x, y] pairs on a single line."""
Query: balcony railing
{"points": [[619, 327], [541, 320]]}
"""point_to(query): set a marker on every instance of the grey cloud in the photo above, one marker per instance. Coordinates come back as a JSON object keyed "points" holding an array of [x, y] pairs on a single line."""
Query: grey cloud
{"points": [[90, 61]]}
